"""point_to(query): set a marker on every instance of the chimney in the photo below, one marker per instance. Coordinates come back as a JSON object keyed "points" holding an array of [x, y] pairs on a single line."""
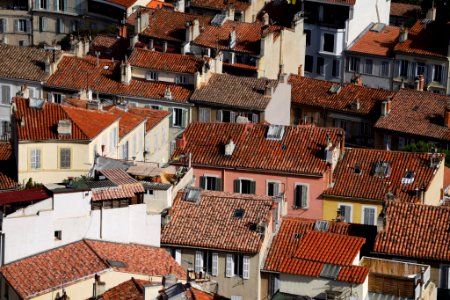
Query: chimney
{"points": [[97, 58], [431, 13], [358, 80], [447, 116], [48, 66], [192, 30], [230, 12], [125, 72], [98, 287], [151, 45], [232, 41], [168, 94], [403, 34], [300, 70], [169, 280], [268, 90], [265, 19], [64, 127], [386, 107], [181, 142], [24, 92], [229, 147], [420, 83]]}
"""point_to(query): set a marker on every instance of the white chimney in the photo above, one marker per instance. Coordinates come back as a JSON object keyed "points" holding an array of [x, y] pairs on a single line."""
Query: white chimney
{"points": [[229, 147], [125, 72], [64, 127], [403, 35]]}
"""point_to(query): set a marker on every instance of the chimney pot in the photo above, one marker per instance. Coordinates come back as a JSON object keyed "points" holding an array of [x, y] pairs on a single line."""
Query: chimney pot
{"points": [[403, 34]]}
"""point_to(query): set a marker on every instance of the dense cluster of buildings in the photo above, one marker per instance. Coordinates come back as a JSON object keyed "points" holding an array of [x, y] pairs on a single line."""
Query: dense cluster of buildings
{"points": [[219, 150]]}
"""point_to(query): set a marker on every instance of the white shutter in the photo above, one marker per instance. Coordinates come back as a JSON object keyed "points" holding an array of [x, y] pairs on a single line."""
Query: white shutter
{"points": [[219, 115], [230, 266], [215, 264], [16, 25], [246, 267], [232, 117], [178, 256], [198, 261]]}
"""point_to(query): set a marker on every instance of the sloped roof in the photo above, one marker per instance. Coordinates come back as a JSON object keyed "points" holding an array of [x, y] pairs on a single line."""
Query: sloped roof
{"points": [[415, 231], [403, 9], [163, 61], [109, 46], [154, 116], [368, 185], [132, 289], [315, 92], [300, 150], [377, 43], [417, 113], [79, 73], [234, 91], [128, 121], [210, 223], [7, 168], [29, 195], [41, 124], [220, 5]]}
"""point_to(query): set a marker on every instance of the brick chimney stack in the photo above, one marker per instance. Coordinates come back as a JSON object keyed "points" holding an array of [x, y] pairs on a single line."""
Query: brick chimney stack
{"points": [[421, 83]]}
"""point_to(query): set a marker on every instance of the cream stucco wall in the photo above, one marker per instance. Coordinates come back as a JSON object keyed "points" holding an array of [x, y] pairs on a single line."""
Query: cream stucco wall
{"points": [[157, 143], [162, 76]]}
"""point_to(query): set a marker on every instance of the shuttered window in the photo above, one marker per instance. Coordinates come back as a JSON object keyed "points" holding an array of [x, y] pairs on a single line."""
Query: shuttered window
{"points": [[229, 272], [178, 256], [346, 212], [198, 261], [215, 264], [6, 94], [301, 196], [273, 189], [246, 267], [3, 25], [35, 159], [204, 114], [244, 186], [65, 158], [211, 183], [369, 215]]}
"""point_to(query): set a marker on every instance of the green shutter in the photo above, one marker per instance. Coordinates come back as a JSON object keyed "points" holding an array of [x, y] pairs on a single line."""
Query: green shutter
{"points": [[202, 182], [252, 187], [237, 186], [218, 186]]}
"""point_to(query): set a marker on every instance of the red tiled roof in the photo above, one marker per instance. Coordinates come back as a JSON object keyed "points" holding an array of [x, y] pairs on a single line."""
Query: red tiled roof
{"points": [[41, 124], [298, 249], [221, 4], [109, 46], [128, 121], [415, 230], [124, 3], [367, 185], [170, 25], [131, 20], [211, 222], [154, 116], [132, 289], [23, 62], [248, 36], [118, 176], [403, 9], [111, 193], [345, 2], [234, 91], [170, 62], [44, 272], [417, 113], [29, 195], [7, 168], [427, 40], [138, 259], [78, 73], [158, 4], [315, 92], [297, 152], [377, 43]]}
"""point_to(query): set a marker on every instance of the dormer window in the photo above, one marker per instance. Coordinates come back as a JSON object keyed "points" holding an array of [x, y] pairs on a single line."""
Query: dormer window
{"points": [[408, 178], [382, 169], [151, 76], [181, 79]]}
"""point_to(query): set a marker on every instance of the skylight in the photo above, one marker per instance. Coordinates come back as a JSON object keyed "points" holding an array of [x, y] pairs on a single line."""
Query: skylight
{"points": [[330, 271], [116, 263], [192, 195], [382, 168], [275, 132], [239, 213]]}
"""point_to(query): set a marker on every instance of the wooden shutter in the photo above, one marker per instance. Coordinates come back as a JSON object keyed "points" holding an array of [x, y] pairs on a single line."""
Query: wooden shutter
{"points": [[171, 118], [203, 182], [218, 186], [178, 256], [304, 202], [237, 186], [246, 267], [215, 264], [255, 118], [184, 118], [219, 115], [252, 187], [198, 261], [232, 116], [229, 266]]}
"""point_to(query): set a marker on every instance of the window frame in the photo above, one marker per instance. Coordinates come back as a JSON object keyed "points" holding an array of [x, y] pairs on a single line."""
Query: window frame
{"points": [[363, 214], [384, 69], [354, 64], [309, 68], [320, 68], [37, 162], [249, 180], [151, 76], [295, 202], [204, 114], [441, 68], [327, 44], [350, 220], [181, 79], [270, 181], [368, 66], [60, 158]]}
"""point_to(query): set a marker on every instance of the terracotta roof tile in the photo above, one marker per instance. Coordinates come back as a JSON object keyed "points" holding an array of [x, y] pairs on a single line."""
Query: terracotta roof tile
{"points": [[128, 121], [109, 46], [315, 92], [23, 62], [297, 152], [169, 62], [416, 231], [111, 193], [417, 113], [132, 289], [170, 25], [234, 91], [124, 3], [210, 223], [7, 168], [221, 4], [428, 39], [248, 36], [367, 185], [403, 9], [28, 195], [78, 73], [154, 116], [118, 176], [41, 124], [158, 4], [377, 43]]}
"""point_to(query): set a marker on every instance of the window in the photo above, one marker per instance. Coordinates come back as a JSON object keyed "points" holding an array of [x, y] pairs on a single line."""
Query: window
{"points": [[58, 98], [4, 128], [437, 75], [151, 76], [244, 186], [226, 116], [204, 114], [60, 26], [149, 192], [237, 265], [445, 277], [301, 196], [403, 68], [206, 261], [21, 25], [366, 129], [420, 69], [308, 37], [125, 150], [309, 61], [328, 42], [336, 66], [387, 142], [346, 212], [6, 94], [369, 215], [58, 235], [176, 254], [211, 183], [42, 24], [320, 66], [273, 188], [179, 117], [368, 67], [62, 5], [41, 4], [3, 25], [181, 79], [353, 64], [112, 139], [65, 158], [384, 69], [35, 159], [74, 25]]}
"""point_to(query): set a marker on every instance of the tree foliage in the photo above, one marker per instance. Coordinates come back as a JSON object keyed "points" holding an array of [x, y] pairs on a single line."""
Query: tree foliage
{"points": [[424, 147]]}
